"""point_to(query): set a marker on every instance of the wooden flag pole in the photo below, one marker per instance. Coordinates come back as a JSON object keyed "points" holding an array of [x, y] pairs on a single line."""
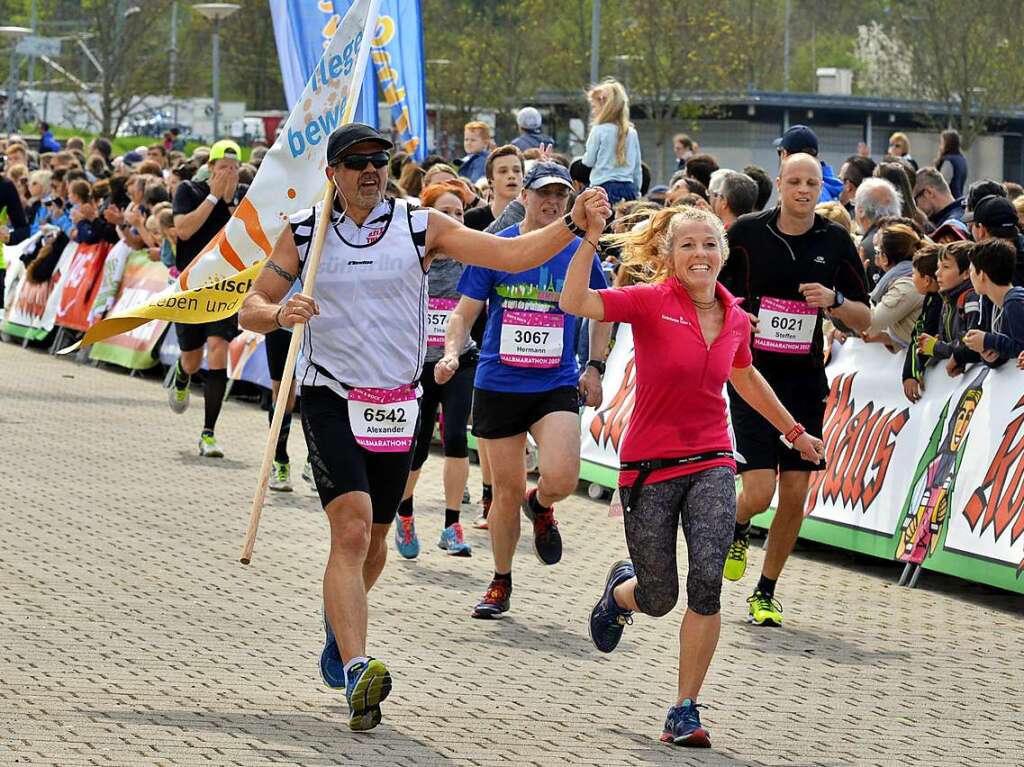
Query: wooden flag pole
{"points": [[308, 282]]}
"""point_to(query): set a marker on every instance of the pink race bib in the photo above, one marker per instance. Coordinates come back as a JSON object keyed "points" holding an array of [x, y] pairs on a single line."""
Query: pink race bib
{"points": [[384, 420], [784, 326], [531, 339]]}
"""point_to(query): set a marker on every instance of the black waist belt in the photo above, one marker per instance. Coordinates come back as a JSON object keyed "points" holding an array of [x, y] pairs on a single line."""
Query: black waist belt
{"points": [[646, 467]]}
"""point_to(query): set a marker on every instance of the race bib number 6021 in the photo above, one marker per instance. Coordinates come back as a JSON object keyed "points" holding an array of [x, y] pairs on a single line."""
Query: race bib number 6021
{"points": [[785, 326]]}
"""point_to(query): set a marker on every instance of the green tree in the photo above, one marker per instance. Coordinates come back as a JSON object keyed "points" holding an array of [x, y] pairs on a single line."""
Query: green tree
{"points": [[963, 53]]}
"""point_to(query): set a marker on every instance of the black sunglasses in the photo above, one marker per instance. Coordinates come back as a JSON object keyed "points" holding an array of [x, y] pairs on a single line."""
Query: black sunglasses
{"points": [[360, 161]]}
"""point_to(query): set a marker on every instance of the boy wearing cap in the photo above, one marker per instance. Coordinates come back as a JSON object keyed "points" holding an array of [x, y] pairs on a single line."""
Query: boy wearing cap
{"points": [[995, 217], [527, 381], [201, 209]]}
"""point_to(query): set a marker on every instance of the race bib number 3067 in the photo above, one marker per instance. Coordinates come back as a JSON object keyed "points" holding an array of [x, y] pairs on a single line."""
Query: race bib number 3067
{"points": [[785, 326], [531, 339]]}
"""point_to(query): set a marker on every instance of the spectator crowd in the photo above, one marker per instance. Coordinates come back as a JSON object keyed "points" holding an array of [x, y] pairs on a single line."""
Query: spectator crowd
{"points": [[943, 255]]}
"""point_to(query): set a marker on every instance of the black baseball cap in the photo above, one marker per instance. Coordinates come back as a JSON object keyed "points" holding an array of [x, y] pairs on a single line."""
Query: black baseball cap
{"points": [[799, 138], [349, 135], [996, 214], [979, 190]]}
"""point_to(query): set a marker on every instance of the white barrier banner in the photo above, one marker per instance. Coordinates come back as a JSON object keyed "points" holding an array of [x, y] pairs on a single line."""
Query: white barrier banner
{"points": [[943, 475]]}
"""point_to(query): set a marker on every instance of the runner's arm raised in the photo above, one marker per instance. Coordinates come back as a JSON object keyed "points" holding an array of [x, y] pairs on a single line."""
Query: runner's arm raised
{"points": [[513, 254], [750, 384], [261, 310], [459, 324], [577, 296]]}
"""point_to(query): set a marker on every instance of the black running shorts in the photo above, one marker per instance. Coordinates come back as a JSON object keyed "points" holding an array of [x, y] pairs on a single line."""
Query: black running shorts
{"points": [[340, 465], [757, 441], [497, 414], [192, 337]]}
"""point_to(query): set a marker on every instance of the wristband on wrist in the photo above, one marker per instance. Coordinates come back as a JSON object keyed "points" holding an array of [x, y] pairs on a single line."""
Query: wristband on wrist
{"points": [[598, 365], [277, 318], [578, 231], [212, 198], [792, 435]]}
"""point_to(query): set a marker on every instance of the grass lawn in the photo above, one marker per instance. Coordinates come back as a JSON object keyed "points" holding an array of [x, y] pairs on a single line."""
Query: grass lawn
{"points": [[122, 144]]}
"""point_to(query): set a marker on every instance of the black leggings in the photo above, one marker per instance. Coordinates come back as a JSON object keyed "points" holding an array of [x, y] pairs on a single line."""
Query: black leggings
{"points": [[455, 399], [707, 503]]}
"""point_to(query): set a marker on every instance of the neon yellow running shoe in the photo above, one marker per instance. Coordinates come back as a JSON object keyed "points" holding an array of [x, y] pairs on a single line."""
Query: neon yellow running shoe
{"points": [[764, 610], [736, 559]]}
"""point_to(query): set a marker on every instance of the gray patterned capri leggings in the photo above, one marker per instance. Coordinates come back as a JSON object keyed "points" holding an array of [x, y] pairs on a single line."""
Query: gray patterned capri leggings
{"points": [[706, 501]]}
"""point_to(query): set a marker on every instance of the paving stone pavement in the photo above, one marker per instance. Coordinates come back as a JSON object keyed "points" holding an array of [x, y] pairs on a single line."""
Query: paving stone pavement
{"points": [[131, 635]]}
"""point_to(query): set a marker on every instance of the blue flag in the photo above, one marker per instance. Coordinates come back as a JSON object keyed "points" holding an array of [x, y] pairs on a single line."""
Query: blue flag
{"points": [[395, 76]]}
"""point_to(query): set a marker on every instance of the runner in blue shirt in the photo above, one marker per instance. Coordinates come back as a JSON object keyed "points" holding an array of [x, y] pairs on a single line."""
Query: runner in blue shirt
{"points": [[527, 381]]}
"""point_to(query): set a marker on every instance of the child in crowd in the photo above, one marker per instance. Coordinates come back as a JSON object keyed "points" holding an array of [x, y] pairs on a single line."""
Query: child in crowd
{"points": [[161, 223], [925, 264], [613, 147], [476, 140], [82, 213], [961, 310], [38, 212], [992, 268]]}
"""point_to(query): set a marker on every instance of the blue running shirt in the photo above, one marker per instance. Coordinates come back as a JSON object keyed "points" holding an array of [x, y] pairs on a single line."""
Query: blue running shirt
{"points": [[529, 343]]}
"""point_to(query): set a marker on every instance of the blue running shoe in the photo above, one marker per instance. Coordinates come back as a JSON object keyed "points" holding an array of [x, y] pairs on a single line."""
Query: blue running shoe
{"points": [[369, 683], [406, 542], [607, 619], [683, 727], [332, 667], [453, 541]]}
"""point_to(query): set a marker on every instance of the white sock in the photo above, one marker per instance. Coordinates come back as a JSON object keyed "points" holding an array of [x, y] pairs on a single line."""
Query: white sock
{"points": [[354, 661]]}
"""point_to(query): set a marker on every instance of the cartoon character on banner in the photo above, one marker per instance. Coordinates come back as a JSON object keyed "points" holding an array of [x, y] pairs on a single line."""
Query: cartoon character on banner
{"points": [[927, 504]]}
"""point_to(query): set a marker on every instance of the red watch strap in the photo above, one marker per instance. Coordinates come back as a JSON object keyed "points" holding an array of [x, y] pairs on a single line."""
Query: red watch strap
{"points": [[795, 432]]}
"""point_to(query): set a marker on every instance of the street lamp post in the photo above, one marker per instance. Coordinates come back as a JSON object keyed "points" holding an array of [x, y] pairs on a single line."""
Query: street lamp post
{"points": [[13, 34], [216, 12]]}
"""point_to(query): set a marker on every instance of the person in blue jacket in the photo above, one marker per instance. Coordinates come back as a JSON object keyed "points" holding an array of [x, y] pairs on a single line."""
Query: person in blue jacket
{"points": [[47, 143], [800, 138]]}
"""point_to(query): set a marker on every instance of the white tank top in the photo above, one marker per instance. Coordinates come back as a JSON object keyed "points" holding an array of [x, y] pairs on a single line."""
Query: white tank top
{"points": [[372, 290]]}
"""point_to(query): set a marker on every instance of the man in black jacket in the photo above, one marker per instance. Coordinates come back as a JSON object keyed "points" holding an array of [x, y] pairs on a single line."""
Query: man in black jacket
{"points": [[791, 267]]}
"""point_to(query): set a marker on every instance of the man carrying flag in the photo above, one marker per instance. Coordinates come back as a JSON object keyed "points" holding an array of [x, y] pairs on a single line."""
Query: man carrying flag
{"points": [[202, 206], [363, 346]]}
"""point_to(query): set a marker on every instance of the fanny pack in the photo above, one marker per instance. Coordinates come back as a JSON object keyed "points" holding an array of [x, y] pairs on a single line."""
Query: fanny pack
{"points": [[647, 466]]}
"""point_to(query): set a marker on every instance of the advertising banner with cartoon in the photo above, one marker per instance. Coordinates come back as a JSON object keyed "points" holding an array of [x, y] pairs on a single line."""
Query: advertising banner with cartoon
{"points": [[938, 484]]}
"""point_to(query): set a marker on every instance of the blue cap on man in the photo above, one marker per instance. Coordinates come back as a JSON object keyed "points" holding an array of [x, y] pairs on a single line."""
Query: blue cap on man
{"points": [[798, 138]]}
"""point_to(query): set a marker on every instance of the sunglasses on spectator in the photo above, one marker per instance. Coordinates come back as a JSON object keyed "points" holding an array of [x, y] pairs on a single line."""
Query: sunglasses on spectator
{"points": [[360, 161]]}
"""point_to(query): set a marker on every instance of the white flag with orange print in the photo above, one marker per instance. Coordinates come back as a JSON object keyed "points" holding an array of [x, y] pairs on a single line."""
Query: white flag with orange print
{"points": [[290, 178]]}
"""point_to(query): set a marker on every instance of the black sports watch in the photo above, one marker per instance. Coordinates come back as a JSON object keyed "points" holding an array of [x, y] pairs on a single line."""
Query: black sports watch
{"points": [[579, 231], [598, 365], [839, 300]]}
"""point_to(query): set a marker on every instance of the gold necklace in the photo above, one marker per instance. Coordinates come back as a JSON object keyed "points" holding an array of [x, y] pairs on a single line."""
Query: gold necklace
{"points": [[705, 304]]}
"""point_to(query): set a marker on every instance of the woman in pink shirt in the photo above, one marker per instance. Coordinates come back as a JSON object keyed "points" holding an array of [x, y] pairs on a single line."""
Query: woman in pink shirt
{"points": [[690, 336]]}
